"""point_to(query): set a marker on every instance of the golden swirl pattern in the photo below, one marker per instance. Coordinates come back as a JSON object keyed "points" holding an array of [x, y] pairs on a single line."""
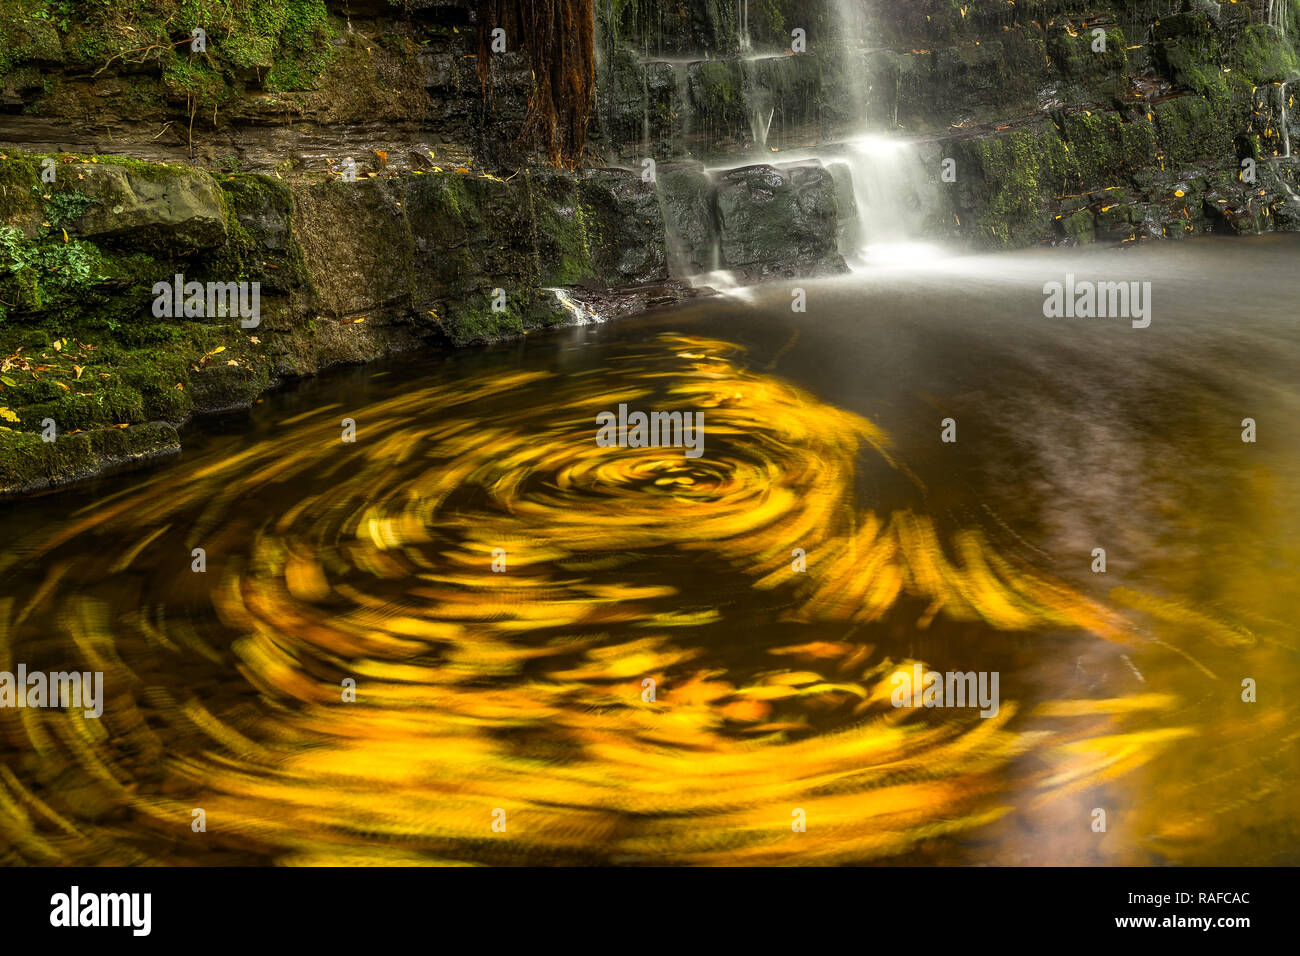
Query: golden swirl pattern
{"points": [[517, 697]]}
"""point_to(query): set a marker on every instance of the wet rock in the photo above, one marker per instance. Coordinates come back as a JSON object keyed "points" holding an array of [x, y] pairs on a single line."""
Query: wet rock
{"points": [[630, 248], [644, 108], [779, 221], [720, 111], [690, 220]]}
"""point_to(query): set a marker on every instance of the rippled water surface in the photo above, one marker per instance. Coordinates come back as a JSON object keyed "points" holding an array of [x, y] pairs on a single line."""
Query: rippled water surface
{"points": [[521, 696]]}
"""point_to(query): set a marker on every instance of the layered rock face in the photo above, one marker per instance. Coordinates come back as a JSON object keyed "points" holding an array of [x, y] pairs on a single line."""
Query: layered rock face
{"points": [[344, 272], [1039, 121]]}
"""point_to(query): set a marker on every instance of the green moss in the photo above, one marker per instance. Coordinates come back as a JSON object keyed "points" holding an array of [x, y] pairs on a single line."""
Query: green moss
{"points": [[1107, 148], [28, 33], [718, 94], [28, 463], [561, 238], [1079, 226], [1190, 130], [473, 321], [1258, 57], [286, 44], [260, 246], [469, 324], [1023, 171], [1075, 56]]}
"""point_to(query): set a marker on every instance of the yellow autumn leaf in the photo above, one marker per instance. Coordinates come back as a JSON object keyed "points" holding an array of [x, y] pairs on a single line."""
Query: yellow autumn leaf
{"points": [[78, 369], [219, 349], [8, 414], [62, 386]]}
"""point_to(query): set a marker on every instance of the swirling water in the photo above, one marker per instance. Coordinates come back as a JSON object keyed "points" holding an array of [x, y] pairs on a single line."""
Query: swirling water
{"points": [[521, 696]]}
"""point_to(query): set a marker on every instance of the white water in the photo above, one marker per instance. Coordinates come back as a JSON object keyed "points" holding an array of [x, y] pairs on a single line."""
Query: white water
{"points": [[882, 176], [877, 184], [854, 33], [742, 24], [582, 313], [1284, 121], [1277, 15], [879, 179], [1284, 132]]}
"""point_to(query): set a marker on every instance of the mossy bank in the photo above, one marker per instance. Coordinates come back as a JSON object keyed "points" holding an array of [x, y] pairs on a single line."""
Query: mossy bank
{"points": [[345, 272]]}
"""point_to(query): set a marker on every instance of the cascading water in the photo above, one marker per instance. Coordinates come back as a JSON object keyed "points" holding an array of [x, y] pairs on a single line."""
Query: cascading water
{"points": [[1283, 120], [1277, 10], [882, 186], [1283, 159], [742, 25], [881, 177], [854, 29]]}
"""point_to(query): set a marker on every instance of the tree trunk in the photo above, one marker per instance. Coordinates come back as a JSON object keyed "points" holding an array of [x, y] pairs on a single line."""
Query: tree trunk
{"points": [[559, 37]]}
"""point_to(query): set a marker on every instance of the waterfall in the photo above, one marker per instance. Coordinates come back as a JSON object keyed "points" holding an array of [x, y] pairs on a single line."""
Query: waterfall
{"points": [[884, 187], [879, 180], [1277, 15], [742, 25], [645, 108], [879, 186], [582, 313], [851, 21], [1283, 122]]}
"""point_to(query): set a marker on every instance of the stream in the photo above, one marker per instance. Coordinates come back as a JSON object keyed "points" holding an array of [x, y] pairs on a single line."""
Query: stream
{"points": [[473, 635]]}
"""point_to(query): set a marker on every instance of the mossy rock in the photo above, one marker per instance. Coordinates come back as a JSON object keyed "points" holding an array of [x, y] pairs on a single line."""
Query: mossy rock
{"points": [[29, 464], [356, 245], [175, 210]]}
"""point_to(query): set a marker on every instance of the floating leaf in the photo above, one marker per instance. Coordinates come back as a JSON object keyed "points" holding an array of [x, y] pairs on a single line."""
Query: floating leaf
{"points": [[8, 381], [219, 349], [8, 414], [78, 369], [62, 386]]}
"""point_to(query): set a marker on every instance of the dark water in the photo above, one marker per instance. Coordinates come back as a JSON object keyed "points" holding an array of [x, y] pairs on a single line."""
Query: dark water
{"points": [[521, 696]]}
